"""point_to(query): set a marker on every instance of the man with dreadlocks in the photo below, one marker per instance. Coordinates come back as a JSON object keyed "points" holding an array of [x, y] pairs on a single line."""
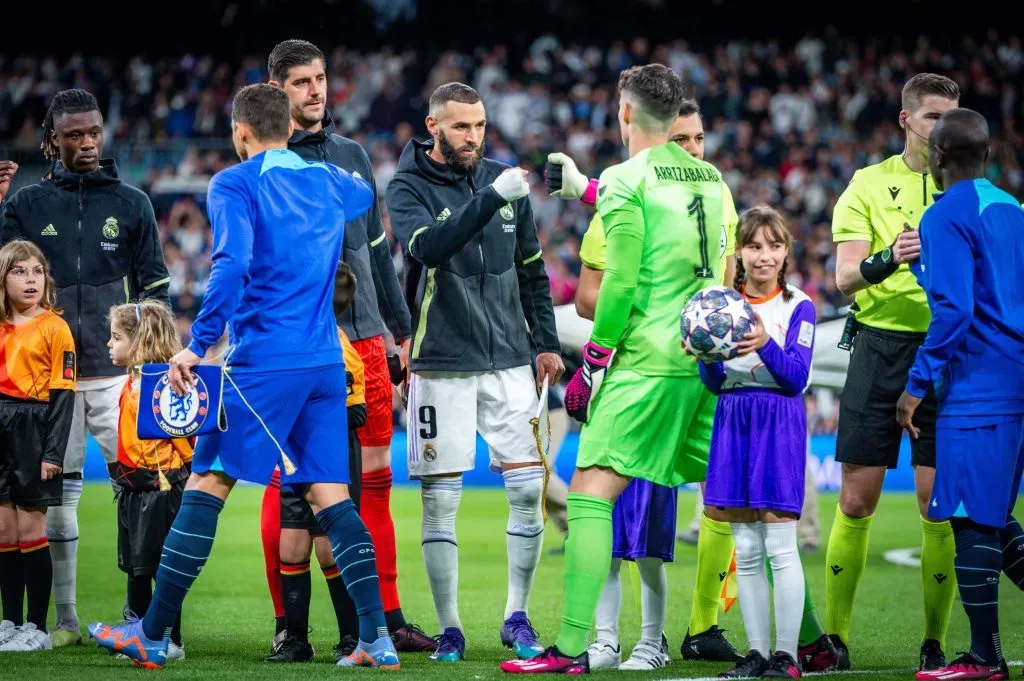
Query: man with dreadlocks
{"points": [[100, 237]]}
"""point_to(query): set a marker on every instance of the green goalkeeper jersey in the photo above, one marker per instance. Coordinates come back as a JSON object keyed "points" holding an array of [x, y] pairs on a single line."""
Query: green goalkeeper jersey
{"points": [[662, 217]]}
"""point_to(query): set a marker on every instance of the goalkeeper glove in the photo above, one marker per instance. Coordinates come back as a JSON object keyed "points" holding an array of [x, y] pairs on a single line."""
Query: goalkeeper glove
{"points": [[397, 372], [565, 181], [586, 381]]}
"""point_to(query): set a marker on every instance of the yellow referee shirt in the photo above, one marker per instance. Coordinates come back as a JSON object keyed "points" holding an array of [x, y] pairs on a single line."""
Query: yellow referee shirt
{"points": [[874, 208], [594, 247]]}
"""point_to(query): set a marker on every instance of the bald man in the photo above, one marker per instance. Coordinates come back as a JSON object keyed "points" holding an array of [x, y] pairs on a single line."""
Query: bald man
{"points": [[972, 250]]}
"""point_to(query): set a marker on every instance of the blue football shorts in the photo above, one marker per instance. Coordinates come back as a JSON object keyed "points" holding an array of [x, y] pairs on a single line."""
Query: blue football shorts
{"points": [[977, 469], [300, 412]]}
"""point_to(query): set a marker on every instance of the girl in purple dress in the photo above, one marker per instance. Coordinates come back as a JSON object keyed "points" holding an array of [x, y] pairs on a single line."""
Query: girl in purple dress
{"points": [[759, 443]]}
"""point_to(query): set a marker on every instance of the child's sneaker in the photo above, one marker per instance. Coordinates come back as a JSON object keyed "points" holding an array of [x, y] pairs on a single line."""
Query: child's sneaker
{"points": [[752, 666], [66, 634], [782, 666], [603, 655], [347, 645], [646, 655], [7, 631], [27, 639]]}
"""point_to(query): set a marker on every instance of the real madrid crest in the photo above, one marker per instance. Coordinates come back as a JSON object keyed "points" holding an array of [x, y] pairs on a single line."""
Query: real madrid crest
{"points": [[429, 453], [180, 415], [507, 211], [110, 228]]}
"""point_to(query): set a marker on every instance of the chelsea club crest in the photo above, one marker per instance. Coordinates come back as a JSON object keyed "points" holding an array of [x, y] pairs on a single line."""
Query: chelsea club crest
{"points": [[180, 415]]}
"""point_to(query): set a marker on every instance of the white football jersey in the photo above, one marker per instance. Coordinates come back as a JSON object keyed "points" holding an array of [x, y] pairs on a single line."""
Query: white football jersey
{"points": [[777, 315]]}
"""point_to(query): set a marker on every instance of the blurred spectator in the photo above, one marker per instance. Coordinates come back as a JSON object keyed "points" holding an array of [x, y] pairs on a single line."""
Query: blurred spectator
{"points": [[563, 282]]}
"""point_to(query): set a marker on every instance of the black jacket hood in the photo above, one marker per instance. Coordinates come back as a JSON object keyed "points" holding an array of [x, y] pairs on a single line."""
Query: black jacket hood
{"points": [[305, 137], [379, 305], [105, 175]]}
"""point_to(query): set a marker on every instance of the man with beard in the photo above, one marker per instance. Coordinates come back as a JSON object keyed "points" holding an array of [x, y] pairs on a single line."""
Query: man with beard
{"points": [[478, 291]]}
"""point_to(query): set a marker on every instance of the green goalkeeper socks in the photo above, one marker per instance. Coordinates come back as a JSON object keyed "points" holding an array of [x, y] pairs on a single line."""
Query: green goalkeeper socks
{"points": [[810, 626], [588, 557]]}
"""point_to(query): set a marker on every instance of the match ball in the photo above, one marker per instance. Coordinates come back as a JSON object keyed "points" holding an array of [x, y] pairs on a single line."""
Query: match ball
{"points": [[714, 322]]}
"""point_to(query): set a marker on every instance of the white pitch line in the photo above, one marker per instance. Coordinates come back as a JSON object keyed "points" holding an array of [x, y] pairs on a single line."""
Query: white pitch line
{"points": [[851, 672], [904, 557]]}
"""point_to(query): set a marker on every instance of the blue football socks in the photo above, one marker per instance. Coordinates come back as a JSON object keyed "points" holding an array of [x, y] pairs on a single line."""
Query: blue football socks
{"points": [[357, 562], [186, 549], [978, 565]]}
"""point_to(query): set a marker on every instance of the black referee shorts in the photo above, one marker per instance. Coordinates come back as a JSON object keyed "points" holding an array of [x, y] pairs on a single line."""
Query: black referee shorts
{"points": [[23, 430], [869, 434], [296, 513]]}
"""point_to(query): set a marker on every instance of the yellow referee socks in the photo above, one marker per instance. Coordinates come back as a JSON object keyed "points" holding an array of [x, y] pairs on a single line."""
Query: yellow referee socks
{"points": [[938, 577], [844, 564], [714, 553]]}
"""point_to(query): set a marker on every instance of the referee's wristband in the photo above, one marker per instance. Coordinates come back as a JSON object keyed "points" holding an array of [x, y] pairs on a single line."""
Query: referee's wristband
{"points": [[878, 267]]}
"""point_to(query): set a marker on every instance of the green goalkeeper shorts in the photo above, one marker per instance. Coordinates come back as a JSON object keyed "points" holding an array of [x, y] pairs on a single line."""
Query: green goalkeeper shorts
{"points": [[656, 428]]}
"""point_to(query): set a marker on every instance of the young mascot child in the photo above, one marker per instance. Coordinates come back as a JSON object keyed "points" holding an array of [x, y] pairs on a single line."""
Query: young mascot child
{"points": [[759, 444], [151, 473], [37, 395]]}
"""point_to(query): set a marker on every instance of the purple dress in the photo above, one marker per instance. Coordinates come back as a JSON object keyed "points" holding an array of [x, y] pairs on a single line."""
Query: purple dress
{"points": [[759, 442]]}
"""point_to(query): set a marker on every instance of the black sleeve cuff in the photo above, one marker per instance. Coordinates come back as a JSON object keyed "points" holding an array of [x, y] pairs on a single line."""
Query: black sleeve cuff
{"points": [[59, 414], [878, 267]]}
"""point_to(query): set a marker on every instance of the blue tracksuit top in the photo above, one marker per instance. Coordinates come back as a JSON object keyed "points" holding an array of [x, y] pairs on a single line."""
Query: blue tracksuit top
{"points": [[278, 225], [972, 260]]}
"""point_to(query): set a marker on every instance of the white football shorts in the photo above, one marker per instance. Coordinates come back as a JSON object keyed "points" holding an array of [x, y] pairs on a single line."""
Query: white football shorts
{"points": [[448, 408]]}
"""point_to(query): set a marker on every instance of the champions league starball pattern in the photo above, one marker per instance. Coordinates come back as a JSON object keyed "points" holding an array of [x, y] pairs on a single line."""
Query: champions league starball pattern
{"points": [[714, 322]]}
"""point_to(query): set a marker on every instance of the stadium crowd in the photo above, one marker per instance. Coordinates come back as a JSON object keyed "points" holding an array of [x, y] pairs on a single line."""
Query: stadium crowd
{"points": [[786, 124]]}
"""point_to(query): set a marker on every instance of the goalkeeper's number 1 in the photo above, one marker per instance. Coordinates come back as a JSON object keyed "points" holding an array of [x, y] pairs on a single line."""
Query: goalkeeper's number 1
{"points": [[696, 208]]}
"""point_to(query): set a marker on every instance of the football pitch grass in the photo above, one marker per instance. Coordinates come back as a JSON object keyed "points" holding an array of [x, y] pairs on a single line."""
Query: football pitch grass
{"points": [[228, 619]]}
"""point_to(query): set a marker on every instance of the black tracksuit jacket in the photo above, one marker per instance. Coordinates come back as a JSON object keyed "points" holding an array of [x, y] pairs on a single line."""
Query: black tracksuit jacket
{"points": [[476, 281]]}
